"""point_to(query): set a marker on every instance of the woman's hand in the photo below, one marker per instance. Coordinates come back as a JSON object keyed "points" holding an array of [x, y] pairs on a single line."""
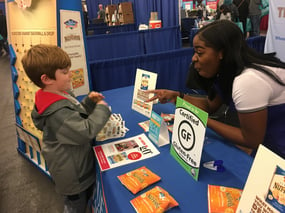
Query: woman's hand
{"points": [[163, 95]]}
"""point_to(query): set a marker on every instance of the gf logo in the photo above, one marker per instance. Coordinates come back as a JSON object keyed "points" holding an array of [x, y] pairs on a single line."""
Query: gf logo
{"points": [[186, 135]]}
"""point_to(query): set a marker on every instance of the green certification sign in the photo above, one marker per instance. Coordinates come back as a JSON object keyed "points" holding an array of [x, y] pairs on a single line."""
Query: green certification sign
{"points": [[188, 136]]}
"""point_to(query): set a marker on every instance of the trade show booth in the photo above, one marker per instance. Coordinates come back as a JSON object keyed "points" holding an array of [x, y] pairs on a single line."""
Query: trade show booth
{"points": [[107, 61]]}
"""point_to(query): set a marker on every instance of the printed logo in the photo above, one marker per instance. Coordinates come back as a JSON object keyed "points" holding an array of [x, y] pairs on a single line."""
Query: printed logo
{"points": [[186, 135], [71, 24]]}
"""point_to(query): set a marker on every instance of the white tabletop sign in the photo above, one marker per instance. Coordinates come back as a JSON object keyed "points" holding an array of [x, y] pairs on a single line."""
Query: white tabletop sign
{"points": [[145, 80]]}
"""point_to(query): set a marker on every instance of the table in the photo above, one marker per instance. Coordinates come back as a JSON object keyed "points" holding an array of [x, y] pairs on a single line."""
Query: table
{"points": [[190, 194]]}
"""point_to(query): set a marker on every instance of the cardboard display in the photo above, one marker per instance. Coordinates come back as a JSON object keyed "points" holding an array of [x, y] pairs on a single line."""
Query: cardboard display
{"points": [[258, 183]]}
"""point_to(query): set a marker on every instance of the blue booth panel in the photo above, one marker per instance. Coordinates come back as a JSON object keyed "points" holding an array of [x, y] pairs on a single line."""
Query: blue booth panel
{"points": [[114, 45], [104, 29], [163, 39], [127, 44], [257, 43], [171, 67]]}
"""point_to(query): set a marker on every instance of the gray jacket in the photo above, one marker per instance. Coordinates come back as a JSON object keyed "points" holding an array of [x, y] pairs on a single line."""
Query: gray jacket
{"points": [[254, 7], [68, 130]]}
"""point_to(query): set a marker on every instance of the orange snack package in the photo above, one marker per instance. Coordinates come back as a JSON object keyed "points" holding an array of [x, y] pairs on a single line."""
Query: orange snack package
{"points": [[138, 179], [223, 199], [156, 200]]}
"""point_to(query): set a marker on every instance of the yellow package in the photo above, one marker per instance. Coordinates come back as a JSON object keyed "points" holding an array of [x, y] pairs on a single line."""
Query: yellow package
{"points": [[138, 179], [156, 200]]}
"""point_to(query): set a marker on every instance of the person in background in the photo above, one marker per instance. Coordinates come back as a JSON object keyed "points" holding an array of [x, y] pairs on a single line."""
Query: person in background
{"points": [[68, 126], [224, 13], [250, 83], [101, 12], [264, 16], [242, 6], [219, 4], [202, 12], [228, 8], [4, 48], [85, 18], [254, 13]]}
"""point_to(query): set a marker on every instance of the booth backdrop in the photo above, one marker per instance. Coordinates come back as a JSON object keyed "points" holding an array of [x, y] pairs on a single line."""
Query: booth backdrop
{"points": [[132, 43], [167, 10], [114, 73], [171, 67]]}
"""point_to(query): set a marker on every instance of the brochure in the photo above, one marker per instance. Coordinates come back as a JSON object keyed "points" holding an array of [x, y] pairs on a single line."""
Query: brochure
{"points": [[114, 128], [145, 80], [122, 152]]}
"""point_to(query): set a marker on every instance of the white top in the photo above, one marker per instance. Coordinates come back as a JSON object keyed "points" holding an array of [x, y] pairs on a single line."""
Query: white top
{"points": [[254, 90]]}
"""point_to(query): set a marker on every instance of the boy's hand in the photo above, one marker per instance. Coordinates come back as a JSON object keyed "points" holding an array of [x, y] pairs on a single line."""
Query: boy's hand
{"points": [[95, 96], [102, 102]]}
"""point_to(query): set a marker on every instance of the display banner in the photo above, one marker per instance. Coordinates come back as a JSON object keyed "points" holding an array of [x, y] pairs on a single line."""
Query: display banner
{"points": [[275, 37], [27, 26], [72, 42], [188, 136]]}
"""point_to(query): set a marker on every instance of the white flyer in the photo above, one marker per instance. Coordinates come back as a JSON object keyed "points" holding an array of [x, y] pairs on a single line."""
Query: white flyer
{"points": [[122, 152]]}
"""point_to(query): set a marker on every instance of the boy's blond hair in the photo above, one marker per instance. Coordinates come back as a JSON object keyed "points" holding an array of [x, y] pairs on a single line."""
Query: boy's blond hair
{"points": [[44, 59]]}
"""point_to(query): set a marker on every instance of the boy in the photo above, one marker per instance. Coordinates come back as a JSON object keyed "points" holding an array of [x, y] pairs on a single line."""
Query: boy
{"points": [[68, 126]]}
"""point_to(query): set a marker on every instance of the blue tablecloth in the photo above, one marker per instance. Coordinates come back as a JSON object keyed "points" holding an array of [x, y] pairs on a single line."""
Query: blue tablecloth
{"points": [[190, 194]]}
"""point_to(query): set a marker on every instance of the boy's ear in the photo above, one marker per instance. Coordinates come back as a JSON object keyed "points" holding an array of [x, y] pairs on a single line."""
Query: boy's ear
{"points": [[45, 79]]}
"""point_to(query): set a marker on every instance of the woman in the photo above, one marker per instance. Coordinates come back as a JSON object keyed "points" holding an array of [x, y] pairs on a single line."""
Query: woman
{"points": [[236, 75]]}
